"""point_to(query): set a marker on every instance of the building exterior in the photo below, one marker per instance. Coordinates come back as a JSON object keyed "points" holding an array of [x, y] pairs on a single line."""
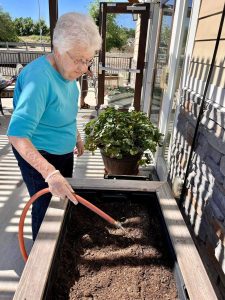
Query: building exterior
{"points": [[192, 118]]}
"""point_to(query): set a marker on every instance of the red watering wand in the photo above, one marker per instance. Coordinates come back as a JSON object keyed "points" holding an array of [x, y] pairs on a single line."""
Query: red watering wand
{"points": [[76, 197]]}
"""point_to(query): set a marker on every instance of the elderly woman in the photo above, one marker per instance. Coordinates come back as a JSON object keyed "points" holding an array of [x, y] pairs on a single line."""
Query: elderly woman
{"points": [[43, 128]]}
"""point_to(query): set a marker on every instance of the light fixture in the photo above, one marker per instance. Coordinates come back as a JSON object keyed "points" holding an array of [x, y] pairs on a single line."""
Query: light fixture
{"points": [[135, 17]]}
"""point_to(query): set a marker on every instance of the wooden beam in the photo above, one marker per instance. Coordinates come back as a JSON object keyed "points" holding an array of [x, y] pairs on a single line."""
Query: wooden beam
{"points": [[124, 8], [141, 59], [53, 16], [35, 274], [101, 75], [192, 269], [121, 185]]}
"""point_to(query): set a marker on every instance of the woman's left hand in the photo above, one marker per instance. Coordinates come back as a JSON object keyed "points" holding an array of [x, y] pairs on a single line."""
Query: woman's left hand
{"points": [[79, 150]]}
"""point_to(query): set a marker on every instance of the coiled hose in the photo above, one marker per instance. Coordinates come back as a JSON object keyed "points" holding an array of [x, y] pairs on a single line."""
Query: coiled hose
{"points": [[76, 197]]}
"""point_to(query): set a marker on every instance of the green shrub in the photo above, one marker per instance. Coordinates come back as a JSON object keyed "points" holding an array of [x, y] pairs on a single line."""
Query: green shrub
{"points": [[121, 133]]}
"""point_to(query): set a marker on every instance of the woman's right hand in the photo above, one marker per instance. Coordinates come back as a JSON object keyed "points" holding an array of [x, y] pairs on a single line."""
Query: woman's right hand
{"points": [[60, 187]]}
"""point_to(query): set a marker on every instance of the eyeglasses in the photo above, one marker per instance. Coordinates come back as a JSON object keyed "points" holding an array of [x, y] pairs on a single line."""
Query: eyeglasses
{"points": [[88, 63]]}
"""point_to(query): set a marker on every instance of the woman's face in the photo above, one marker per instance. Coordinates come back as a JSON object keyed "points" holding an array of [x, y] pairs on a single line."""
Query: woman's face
{"points": [[73, 63]]}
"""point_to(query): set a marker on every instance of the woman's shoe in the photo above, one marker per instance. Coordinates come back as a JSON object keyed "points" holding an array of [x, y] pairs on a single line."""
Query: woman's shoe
{"points": [[85, 106]]}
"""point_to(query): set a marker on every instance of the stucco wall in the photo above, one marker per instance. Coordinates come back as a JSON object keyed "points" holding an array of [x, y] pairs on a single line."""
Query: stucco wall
{"points": [[204, 202]]}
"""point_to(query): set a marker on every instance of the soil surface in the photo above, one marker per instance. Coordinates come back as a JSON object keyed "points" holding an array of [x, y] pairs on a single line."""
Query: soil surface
{"points": [[100, 262]]}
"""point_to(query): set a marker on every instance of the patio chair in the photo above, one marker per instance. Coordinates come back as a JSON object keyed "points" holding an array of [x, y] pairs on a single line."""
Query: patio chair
{"points": [[7, 86]]}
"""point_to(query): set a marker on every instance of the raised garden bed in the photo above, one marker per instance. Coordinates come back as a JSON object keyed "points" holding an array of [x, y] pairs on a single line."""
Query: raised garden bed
{"points": [[79, 256], [96, 260]]}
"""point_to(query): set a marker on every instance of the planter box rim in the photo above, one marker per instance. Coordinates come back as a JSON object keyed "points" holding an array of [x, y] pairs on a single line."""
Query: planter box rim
{"points": [[34, 277]]}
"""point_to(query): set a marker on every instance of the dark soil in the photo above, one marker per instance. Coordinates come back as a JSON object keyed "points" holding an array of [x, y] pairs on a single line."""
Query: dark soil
{"points": [[97, 261]]}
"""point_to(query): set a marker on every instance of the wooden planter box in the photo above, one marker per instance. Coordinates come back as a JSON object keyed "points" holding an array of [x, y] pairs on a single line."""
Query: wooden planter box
{"points": [[36, 274], [112, 80]]}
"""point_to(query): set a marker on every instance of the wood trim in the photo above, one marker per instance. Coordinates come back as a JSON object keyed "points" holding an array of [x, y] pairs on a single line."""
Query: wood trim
{"points": [[151, 57], [210, 7], [115, 185], [101, 59], [121, 8], [141, 59], [194, 274], [53, 17], [208, 27], [35, 274], [114, 8]]}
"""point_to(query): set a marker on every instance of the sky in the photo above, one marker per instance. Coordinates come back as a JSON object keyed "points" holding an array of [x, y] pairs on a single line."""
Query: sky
{"points": [[30, 8]]}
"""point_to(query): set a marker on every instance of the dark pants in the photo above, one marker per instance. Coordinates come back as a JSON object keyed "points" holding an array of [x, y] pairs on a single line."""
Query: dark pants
{"points": [[35, 182], [84, 85]]}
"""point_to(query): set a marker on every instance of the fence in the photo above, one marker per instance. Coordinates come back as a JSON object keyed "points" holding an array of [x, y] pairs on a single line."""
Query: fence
{"points": [[116, 62], [9, 60], [25, 46]]}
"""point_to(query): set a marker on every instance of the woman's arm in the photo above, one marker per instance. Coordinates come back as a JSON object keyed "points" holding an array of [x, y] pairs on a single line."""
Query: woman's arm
{"points": [[58, 185], [79, 150], [27, 150]]}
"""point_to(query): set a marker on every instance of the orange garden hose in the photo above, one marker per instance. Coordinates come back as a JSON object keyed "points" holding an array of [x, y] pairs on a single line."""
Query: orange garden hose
{"points": [[76, 197]]}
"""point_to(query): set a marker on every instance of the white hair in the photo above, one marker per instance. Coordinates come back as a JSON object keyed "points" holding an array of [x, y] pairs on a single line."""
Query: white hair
{"points": [[76, 30]]}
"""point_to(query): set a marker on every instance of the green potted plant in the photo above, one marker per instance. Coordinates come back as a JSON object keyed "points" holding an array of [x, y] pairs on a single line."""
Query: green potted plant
{"points": [[122, 137]]}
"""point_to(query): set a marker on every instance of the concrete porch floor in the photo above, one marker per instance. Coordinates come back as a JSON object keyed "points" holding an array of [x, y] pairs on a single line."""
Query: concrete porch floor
{"points": [[13, 197]]}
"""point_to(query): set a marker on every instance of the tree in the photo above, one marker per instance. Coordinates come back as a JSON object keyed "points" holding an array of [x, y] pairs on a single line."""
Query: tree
{"points": [[116, 36], [18, 23], [41, 25], [94, 11], [130, 32], [24, 26], [7, 28], [165, 35]]}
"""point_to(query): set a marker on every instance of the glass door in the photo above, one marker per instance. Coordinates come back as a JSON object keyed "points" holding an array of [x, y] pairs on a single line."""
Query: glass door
{"points": [[168, 93], [161, 68]]}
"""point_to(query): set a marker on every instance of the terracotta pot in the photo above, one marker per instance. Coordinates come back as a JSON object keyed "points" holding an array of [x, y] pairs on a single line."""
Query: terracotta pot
{"points": [[125, 166]]}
